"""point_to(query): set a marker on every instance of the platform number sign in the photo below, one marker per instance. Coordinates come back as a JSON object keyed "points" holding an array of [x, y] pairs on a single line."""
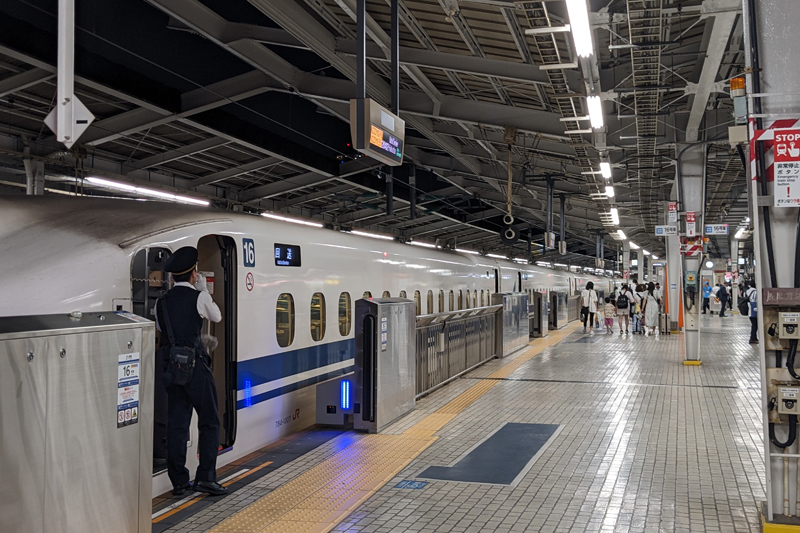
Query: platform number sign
{"points": [[249, 253]]}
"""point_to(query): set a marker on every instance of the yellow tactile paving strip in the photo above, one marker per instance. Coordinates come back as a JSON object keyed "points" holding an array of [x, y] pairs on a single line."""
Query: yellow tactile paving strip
{"points": [[317, 500]]}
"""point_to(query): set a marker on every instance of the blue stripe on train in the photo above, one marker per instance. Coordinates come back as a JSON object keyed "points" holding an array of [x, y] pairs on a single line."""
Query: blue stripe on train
{"points": [[241, 404], [255, 372]]}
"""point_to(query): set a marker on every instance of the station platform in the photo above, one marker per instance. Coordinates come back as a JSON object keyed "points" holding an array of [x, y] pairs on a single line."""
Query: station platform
{"points": [[601, 433]]}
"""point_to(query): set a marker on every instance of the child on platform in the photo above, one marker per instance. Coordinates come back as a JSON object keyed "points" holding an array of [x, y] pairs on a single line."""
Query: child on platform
{"points": [[609, 311]]}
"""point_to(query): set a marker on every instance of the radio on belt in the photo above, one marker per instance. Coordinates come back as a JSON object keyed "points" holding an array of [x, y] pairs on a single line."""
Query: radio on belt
{"points": [[789, 325]]}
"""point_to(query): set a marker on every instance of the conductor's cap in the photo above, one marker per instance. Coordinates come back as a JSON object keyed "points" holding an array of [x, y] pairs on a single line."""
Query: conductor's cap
{"points": [[183, 261]]}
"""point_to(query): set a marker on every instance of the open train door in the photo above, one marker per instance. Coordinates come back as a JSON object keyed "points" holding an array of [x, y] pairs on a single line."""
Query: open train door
{"points": [[218, 257]]}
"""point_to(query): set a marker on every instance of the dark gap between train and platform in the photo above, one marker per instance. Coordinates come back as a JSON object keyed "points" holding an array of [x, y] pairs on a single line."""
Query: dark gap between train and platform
{"points": [[628, 383], [242, 472]]}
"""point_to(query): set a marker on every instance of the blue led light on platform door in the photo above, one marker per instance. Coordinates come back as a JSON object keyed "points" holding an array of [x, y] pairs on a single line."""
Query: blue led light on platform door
{"points": [[345, 388], [248, 394]]}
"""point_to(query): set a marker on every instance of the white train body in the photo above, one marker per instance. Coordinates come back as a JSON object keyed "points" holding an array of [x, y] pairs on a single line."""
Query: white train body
{"points": [[60, 255]]}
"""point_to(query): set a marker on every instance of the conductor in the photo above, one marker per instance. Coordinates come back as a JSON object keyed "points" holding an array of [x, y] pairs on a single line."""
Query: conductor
{"points": [[187, 373]]}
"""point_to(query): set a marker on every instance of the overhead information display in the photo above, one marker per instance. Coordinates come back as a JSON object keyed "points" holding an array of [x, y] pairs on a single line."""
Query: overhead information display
{"points": [[377, 132]]}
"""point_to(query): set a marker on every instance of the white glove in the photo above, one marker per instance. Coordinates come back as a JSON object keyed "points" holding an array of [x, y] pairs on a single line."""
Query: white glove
{"points": [[200, 284]]}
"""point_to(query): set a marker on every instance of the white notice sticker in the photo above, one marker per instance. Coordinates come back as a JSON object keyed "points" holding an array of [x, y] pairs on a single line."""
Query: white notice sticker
{"points": [[789, 393], [128, 389]]}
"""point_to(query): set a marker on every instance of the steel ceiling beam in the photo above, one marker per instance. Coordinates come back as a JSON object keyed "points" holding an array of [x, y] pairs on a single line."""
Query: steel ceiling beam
{"points": [[237, 171], [308, 197], [718, 43], [23, 80], [177, 153]]}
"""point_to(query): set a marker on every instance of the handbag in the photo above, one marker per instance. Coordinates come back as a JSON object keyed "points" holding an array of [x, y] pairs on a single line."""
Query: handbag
{"points": [[180, 360]]}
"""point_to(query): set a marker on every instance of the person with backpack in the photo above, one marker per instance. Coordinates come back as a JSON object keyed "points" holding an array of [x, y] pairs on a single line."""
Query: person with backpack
{"points": [[187, 373], [625, 301], [749, 306]]}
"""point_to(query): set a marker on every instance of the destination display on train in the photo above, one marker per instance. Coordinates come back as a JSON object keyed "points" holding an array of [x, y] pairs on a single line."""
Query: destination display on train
{"points": [[387, 143], [287, 255]]}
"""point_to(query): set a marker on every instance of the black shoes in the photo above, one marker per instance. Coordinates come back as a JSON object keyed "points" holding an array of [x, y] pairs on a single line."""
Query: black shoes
{"points": [[210, 487], [181, 490]]}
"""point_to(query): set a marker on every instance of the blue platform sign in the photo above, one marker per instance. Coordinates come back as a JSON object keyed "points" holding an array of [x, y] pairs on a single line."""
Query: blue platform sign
{"points": [[249, 253], [716, 229]]}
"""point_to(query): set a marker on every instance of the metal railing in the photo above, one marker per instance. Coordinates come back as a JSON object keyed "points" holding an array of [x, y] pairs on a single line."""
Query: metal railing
{"points": [[573, 308], [449, 344]]}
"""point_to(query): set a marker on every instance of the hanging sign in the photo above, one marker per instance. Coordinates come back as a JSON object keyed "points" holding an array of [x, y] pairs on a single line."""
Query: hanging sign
{"points": [[716, 229], [787, 168], [662, 231], [690, 224], [672, 212]]}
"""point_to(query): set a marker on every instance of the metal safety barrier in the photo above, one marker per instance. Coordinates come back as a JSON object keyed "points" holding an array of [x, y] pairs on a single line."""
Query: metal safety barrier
{"points": [[573, 308], [449, 344]]}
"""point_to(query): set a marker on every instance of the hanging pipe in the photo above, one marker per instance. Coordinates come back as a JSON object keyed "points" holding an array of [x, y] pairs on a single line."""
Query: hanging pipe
{"points": [[786, 486]]}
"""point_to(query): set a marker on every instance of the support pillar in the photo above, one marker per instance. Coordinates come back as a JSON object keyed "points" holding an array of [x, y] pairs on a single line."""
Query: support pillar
{"points": [[690, 174], [674, 271], [734, 268], [34, 172], [640, 266], [626, 260]]}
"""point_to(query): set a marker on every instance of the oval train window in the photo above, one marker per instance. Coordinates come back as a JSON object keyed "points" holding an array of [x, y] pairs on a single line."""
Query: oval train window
{"points": [[344, 314], [430, 302], [475, 297], [418, 302], [441, 301], [403, 294], [482, 304], [460, 300], [468, 301], [284, 320], [317, 316], [386, 294], [452, 302], [366, 294]]}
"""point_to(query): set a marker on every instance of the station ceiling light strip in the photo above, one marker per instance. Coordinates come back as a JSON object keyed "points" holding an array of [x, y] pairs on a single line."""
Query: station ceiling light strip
{"points": [[463, 251], [579, 26], [372, 235], [292, 220], [423, 244], [141, 191]]}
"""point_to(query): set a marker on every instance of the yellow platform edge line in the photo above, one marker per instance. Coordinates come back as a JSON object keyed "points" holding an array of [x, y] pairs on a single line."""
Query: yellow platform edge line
{"points": [[276, 510], [771, 527], [692, 363]]}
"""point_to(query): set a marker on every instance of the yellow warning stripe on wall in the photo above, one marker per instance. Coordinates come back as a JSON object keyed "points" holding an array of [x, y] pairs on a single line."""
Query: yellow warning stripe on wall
{"points": [[317, 500]]}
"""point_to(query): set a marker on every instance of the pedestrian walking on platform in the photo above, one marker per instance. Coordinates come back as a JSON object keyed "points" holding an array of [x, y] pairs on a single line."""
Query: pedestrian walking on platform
{"points": [[625, 303], [187, 374], [722, 294], [609, 316], [751, 295], [650, 309], [706, 296], [588, 307]]}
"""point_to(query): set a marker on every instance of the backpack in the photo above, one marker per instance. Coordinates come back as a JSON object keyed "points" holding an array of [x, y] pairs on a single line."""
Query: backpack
{"points": [[622, 301], [180, 360]]}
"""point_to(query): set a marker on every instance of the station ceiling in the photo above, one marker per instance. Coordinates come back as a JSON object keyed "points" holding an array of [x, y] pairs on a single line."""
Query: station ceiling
{"points": [[246, 103]]}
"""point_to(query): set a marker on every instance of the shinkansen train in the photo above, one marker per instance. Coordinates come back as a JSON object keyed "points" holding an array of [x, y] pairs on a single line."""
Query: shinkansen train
{"points": [[286, 292]]}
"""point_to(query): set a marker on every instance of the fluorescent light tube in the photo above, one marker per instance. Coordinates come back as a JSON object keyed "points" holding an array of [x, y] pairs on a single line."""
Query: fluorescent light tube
{"points": [[615, 216], [605, 169], [521, 260], [739, 233], [496, 256], [145, 192], [561, 265], [423, 244], [645, 252], [463, 251], [595, 111], [610, 191], [372, 235], [292, 220], [621, 234], [579, 26], [634, 246], [655, 257]]}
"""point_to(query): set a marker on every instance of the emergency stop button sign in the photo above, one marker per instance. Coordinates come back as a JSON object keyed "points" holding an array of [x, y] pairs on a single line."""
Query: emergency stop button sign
{"points": [[787, 168]]}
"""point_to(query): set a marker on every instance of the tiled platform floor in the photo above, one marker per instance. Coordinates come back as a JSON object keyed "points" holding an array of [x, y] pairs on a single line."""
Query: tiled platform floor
{"points": [[647, 444]]}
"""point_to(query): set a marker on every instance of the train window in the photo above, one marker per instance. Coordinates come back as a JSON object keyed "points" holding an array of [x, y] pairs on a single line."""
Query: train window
{"points": [[366, 294], [441, 301], [418, 302], [317, 316], [460, 300], [430, 302], [344, 314], [475, 297], [452, 302], [284, 320], [403, 294], [386, 294], [482, 304], [468, 301]]}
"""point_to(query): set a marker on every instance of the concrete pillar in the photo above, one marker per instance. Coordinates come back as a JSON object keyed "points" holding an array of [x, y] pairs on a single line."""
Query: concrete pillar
{"points": [[640, 266], [769, 27], [734, 269], [690, 171], [626, 260], [34, 172]]}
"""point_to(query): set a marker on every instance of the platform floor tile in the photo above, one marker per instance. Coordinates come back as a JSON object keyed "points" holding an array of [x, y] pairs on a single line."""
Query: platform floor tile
{"points": [[647, 445]]}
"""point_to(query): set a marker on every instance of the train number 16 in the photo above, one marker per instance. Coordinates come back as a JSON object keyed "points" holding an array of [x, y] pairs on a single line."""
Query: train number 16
{"points": [[249, 253]]}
